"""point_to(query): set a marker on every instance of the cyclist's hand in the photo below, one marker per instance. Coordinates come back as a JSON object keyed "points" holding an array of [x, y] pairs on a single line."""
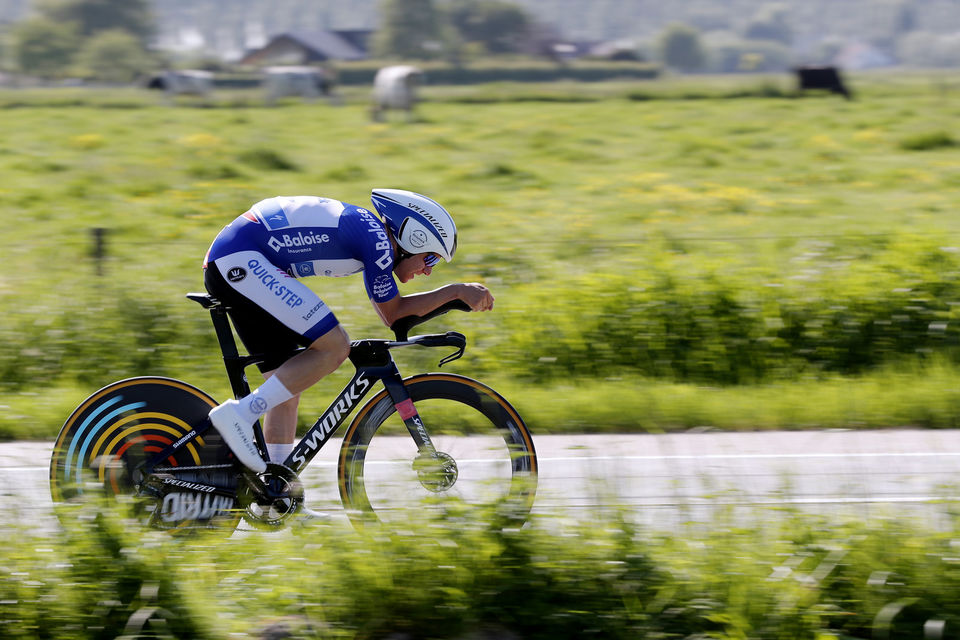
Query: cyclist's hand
{"points": [[476, 295]]}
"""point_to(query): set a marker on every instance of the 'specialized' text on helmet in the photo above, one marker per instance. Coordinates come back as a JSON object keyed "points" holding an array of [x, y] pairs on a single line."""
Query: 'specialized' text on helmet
{"points": [[419, 224]]}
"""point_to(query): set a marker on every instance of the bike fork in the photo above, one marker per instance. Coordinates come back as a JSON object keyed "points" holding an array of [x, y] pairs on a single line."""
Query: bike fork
{"points": [[408, 413]]}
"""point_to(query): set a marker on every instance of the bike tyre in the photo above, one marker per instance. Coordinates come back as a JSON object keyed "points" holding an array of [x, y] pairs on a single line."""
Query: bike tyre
{"points": [[483, 406]]}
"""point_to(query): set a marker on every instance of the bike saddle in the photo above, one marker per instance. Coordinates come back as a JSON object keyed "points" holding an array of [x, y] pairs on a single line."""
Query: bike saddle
{"points": [[204, 300]]}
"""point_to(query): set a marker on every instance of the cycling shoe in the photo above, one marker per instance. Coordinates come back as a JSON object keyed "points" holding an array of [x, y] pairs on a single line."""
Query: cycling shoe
{"points": [[238, 434]]}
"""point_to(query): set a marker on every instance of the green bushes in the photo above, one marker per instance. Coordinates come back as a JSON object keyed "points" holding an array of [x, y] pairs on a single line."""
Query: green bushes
{"points": [[94, 579], [704, 328], [724, 328], [759, 575], [672, 320], [928, 140], [265, 159], [98, 334]]}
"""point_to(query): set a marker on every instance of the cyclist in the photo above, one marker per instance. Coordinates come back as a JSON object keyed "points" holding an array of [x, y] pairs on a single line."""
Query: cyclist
{"points": [[253, 267]]}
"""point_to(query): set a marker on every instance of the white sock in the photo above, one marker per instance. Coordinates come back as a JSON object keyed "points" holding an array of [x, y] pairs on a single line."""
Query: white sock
{"points": [[279, 451], [267, 396]]}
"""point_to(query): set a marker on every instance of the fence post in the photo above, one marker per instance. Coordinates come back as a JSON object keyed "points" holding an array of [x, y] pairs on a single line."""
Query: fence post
{"points": [[99, 248]]}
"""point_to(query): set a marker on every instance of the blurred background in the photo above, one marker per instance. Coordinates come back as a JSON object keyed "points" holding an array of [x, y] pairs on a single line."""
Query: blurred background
{"points": [[731, 214], [721, 36], [698, 216]]}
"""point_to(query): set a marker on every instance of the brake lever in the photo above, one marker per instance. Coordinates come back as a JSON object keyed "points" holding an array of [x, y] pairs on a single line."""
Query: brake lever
{"points": [[448, 339], [456, 355]]}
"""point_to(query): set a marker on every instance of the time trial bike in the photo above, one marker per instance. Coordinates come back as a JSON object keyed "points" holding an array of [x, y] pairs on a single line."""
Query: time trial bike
{"points": [[420, 440]]}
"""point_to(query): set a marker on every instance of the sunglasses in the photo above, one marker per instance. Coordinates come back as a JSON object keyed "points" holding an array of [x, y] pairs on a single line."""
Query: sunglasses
{"points": [[429, 260]]}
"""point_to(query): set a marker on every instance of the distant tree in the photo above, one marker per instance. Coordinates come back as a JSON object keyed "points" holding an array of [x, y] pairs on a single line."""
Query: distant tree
{"points": [[905, 18], [114, 56], [501, 27], [681, 48], [772, 22], [42, 47], [727, 53], [408, 29], [91, 16]]}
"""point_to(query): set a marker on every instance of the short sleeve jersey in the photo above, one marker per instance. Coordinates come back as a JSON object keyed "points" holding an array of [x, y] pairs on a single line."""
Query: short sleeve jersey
{"points": [[310, 236]]}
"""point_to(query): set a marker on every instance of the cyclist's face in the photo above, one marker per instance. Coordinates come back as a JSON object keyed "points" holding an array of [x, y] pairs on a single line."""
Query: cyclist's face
{"points": [[415, 265]]}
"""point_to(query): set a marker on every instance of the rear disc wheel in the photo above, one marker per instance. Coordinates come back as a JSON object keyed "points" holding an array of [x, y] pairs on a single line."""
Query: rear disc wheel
{"points": [[112, 434]]}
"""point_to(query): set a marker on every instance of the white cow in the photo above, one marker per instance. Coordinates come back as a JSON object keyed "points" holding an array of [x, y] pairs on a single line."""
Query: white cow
{"points": [[395, 87], [184, 82], [306, 82]]}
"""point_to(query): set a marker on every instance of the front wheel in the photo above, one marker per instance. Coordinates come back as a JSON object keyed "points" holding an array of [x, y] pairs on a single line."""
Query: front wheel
{"points": [[484, 452]]}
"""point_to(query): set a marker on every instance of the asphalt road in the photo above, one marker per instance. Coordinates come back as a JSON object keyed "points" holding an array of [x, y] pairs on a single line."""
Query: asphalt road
{"points": [[659, 480]]}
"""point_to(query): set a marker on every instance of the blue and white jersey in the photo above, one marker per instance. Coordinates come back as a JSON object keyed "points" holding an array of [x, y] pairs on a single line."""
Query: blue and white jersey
{"points": [[310, 236]]}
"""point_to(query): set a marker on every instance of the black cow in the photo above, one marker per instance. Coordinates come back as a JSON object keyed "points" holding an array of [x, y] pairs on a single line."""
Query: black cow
{"points": [[821, 78]]}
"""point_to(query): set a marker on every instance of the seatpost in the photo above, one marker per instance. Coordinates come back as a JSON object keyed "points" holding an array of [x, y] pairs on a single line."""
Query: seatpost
{"points": [[231, 357]]}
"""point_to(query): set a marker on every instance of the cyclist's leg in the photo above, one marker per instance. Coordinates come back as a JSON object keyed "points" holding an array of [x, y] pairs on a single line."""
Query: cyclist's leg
{"points": [[273, 314], [323, 357], [298, 373], [280, 427]]}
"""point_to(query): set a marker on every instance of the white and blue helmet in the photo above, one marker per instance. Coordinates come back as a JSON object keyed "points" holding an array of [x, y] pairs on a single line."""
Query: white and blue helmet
{"points": [[418, 224]]}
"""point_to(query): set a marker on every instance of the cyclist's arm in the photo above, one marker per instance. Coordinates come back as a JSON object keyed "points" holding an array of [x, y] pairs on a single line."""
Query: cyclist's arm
{"points": [[417, 304]]}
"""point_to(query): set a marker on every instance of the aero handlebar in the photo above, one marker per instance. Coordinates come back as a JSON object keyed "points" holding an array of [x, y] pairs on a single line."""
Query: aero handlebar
{"points": [[401, 328]]}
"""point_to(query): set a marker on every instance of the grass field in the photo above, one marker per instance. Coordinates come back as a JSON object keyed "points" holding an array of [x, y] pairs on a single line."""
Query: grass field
{"points": [[664, 255]]}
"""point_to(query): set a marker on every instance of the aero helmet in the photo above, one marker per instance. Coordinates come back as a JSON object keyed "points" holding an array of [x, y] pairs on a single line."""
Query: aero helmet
{"points": [[419, 224]]}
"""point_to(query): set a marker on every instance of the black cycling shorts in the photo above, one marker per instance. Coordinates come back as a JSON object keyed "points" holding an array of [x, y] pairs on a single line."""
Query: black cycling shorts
{"points": [[260, 332]]}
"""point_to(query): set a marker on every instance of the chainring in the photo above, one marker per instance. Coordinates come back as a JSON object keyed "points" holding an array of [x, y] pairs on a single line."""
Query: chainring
{"points": [[268, 514]]}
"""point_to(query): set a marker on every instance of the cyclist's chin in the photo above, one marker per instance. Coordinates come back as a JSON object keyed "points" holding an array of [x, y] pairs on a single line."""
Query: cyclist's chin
{"points": [[407, 277]]}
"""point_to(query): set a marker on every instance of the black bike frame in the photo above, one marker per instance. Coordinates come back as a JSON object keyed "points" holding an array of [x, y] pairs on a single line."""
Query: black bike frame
{"points": [[373, 362]]}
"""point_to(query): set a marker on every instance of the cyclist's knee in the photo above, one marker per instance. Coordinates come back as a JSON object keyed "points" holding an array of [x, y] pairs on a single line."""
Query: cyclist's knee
{"points": [[334, 344]]}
